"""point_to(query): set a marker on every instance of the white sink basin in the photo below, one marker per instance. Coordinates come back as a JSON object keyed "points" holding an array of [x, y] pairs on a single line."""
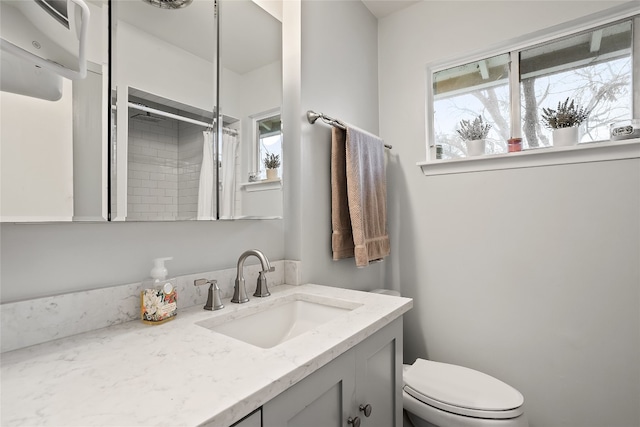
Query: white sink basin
{"points": [[274, 324]]}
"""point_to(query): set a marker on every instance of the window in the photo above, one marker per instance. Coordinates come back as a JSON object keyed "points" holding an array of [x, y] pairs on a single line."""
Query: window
{"points": [[508, 90], [593, 68], [268, 141], [479, 88]]}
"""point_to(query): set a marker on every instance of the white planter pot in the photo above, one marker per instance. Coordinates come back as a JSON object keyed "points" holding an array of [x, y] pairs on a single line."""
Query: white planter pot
{"points": [[475, 147], [564, 137], [272, 174]]}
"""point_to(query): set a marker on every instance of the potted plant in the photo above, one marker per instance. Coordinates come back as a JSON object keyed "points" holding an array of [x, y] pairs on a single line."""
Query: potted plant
{"points": [[564, 122], [474, 134], [272, 163]]}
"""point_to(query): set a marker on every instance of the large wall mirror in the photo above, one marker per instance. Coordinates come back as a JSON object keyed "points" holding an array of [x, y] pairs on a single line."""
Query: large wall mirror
{"points": [[194, 107]]}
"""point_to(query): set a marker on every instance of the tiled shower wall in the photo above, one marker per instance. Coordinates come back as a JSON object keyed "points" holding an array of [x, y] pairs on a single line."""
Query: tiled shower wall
{"points": [[190, 162], [152, 187], [164, 169]]}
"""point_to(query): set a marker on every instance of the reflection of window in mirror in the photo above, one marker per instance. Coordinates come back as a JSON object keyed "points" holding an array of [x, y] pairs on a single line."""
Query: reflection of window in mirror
{"points": [[268, 141]]}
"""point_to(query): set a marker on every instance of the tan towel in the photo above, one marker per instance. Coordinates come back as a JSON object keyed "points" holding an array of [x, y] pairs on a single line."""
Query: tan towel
{"points": [[358, 196]]}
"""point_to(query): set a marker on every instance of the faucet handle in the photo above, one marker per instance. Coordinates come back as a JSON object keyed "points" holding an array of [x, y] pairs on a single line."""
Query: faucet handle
{"points": [[271, 270], [214, 302], [261, 285], [200, 282]]}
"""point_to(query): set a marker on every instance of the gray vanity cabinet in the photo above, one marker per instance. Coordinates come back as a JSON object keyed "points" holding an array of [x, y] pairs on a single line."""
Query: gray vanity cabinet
{"points": [[368, 374], [378, 374], [322, 399]]}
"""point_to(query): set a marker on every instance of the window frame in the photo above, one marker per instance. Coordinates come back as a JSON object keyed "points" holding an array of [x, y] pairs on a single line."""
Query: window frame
{"points": [[255, 163], [433, 166]]}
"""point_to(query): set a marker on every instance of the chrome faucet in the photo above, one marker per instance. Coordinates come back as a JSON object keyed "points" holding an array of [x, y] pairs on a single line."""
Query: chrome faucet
{"points": [[239, 290]]}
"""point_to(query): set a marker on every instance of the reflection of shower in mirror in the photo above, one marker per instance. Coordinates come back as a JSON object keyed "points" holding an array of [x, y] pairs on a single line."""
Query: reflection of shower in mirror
{"points": [[169, 169], [146, 117], [223, 61]]}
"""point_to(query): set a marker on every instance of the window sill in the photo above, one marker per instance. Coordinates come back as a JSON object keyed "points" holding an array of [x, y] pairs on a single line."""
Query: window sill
{"points": [[263, 185], [582, 153]]}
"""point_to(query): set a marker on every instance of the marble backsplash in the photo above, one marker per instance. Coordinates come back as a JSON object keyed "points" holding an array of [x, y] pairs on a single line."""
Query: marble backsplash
{"points": [[35, 321]]}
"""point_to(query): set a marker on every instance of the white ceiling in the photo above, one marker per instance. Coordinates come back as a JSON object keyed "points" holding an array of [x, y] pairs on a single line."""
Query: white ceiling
{"points": [[382, 8]]}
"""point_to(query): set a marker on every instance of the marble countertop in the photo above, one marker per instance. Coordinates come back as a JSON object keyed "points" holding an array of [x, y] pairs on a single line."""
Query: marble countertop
{"points": [[177, 373]]}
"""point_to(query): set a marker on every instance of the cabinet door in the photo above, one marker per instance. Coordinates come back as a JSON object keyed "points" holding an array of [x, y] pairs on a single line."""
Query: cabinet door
{"points": [[323, 399], [379, 377]]}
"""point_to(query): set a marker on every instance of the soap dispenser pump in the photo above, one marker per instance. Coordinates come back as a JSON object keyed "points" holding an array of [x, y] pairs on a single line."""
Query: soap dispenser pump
{"points": [[159, 274], [158, 299]]}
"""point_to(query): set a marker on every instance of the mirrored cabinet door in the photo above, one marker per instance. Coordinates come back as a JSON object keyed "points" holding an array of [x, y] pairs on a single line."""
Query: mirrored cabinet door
{"points": [[53, 110], [164, 102], [250, 141]]}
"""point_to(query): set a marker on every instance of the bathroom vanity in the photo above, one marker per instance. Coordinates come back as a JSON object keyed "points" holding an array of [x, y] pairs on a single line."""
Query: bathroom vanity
{"points": [[365, 383], [342, 359]]}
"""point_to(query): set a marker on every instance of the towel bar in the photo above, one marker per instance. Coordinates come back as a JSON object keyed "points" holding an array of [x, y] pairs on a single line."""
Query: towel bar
{"points": [[312, 116]]}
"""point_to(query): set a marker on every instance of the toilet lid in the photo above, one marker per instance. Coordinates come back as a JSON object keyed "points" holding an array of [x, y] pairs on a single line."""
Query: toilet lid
{"points": [[462, 390]]}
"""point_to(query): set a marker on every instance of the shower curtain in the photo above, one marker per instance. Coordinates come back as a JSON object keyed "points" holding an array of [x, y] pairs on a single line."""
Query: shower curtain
{"points": [[228, 182], [206, 195]]}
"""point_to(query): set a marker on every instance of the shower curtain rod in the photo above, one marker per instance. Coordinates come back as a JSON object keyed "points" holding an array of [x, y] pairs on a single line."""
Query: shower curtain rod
{"points": [[312, 116], [169, 115]]}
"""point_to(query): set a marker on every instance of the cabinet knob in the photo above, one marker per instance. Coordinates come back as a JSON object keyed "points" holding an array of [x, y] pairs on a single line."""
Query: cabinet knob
{"points": [[355, 422], [366, 409]]}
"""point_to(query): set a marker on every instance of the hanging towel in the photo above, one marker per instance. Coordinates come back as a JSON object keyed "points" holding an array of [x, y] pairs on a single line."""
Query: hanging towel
{"points": [[341, 235], [359, 196]]}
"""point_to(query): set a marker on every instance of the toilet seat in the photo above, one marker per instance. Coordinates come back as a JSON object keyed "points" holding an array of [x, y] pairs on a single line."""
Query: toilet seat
{"points": [[462, 391]]}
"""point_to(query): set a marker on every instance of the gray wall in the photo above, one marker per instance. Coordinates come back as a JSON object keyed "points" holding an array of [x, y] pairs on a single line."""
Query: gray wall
{"points": [[47, 259], [338, 76], [530, 275]]}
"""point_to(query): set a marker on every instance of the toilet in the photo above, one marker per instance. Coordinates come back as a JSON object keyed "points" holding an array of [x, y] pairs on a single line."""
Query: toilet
{"points": [[438, 394]]}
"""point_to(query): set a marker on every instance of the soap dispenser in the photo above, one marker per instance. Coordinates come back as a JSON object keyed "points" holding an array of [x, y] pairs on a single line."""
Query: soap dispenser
{"points": [[158, 296]]}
